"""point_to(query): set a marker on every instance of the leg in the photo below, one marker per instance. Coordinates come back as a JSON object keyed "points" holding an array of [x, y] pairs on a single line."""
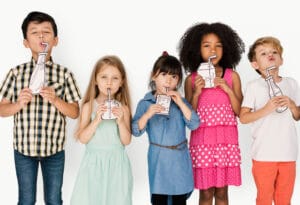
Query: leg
{"points": [[26, 169], [179, 199], [285, 183], [53, 170], [206, 196], [221, 196], [264, 174], [159, 199]]}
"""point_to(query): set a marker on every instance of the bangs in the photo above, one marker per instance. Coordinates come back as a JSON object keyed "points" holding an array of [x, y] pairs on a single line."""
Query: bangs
{"points": [[171, 70]]}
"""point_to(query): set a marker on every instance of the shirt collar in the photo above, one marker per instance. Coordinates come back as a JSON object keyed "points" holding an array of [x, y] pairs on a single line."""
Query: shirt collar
{"points": [[48, 63]]}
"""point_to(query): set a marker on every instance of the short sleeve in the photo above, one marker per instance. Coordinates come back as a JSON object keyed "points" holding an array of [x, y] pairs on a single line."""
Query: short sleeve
{"points": [[249, 98], [72, 93], [7, 86]]}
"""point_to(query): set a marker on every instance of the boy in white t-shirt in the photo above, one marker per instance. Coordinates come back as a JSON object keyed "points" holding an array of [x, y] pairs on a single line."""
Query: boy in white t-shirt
{"points": [[275, 147]]}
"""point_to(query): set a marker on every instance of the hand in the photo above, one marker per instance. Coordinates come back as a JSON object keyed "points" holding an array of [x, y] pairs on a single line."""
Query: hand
{"points": [[24, 97], [101, 109], [153, 109], [221, 82], [285, 101], [273, 103], [176, 97], [119, 113], [199, 84], [48, 94]]}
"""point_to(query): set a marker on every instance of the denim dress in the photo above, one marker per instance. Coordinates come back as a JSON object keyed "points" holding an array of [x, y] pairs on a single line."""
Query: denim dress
{"points": [[169, 170]]}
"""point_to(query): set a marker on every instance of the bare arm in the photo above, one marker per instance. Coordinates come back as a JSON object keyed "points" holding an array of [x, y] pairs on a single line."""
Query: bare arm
{"points": [[192, 95], [7, 108], [288, 102], [234, 93], [123, 121], [247, 115], [87, 127], [68, 109]]}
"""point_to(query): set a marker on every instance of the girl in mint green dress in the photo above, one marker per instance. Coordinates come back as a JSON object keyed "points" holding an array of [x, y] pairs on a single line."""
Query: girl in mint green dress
{"points": [[105, 177]]}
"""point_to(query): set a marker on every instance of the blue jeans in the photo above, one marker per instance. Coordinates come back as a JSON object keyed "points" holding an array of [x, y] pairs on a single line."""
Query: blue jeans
{"points": [[52, 171]]}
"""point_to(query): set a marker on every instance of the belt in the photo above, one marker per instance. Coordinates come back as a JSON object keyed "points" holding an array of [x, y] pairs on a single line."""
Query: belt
{"points": [[173, 147]]}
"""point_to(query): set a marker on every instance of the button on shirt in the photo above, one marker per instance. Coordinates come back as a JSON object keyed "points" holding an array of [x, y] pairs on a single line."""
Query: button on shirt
{"points": [[39, 128], [170, 170]]}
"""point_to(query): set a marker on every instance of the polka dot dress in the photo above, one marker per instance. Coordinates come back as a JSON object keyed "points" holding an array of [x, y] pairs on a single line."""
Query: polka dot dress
{"points": [[214, 145]]}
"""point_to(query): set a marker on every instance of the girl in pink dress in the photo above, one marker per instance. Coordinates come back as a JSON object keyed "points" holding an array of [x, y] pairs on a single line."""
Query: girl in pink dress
{"points": [[214, 145]]}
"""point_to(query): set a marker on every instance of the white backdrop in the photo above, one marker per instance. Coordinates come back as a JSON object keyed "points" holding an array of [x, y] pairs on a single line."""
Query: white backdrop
{"points": [[138, 32]]}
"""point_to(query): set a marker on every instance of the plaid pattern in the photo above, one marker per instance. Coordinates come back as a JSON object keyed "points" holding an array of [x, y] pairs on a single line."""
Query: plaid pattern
{"points": [[39, 128]]}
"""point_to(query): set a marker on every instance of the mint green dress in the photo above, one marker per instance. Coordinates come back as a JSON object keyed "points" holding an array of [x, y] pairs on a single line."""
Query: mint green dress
{"points": [[105, 176]]}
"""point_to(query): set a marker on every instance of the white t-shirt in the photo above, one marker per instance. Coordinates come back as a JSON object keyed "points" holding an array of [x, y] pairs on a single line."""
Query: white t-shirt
{"points": [[275, 135]]}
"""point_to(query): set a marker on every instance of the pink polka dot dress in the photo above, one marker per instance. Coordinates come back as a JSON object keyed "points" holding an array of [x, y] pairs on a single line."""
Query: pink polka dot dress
{"points": [[214, 145]]}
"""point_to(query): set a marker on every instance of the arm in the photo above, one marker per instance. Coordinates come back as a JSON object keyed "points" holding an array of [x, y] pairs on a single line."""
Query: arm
{"points": [[247, 115], [68, 109], [123, 121], [295, 110], [87, 127], [234, 93], [153, 109], [7, 108], [192, 95], [187, 112]]}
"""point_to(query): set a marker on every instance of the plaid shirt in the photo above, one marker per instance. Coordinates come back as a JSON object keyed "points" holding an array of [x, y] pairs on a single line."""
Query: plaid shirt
{"points": [[39, 128]]}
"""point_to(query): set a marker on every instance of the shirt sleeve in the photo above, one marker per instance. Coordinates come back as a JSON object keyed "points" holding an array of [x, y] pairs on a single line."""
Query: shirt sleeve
{"points": [[248, 100], [296, 93], [194, 122], [72, 93], [140, 110], [7, 86]]}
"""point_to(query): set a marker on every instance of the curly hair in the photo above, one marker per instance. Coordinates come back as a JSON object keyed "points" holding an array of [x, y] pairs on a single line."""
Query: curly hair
{"points": [[190, 45]]}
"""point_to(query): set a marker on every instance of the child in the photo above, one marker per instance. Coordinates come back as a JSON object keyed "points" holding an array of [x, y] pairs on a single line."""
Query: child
{"points": [[274, 147], [39, 119], [214, 145], [105, 173], [169, 163]]}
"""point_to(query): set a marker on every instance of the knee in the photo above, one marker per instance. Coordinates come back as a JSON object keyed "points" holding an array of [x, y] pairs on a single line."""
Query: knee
{"points": [[206, 195], [221, 194]]}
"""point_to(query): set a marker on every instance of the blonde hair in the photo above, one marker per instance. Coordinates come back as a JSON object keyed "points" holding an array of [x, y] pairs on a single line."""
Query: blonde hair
{"points": [[264, 40], [92, 91]]}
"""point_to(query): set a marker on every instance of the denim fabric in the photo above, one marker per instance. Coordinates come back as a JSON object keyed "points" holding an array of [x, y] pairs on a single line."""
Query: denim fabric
{"points": [[169, 170], [52, 171]]}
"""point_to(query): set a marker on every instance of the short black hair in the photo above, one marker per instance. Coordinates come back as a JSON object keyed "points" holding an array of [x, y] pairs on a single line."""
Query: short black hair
{"points": [[190, 45], [39, 17], [166, 64]]}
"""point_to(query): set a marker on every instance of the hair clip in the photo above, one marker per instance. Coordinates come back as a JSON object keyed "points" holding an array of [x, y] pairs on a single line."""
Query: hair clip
{"points": [[165, 53]]}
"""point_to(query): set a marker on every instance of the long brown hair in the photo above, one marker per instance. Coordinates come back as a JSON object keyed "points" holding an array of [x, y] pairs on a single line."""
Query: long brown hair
{"points": [[92, 91]]}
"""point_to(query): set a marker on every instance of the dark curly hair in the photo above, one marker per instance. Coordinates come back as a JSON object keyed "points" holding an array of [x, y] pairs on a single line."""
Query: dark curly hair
{"points": [[189, 45]]}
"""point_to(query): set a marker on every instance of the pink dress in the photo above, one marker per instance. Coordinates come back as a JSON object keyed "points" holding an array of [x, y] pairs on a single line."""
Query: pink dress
{"points": [[214, 145]]}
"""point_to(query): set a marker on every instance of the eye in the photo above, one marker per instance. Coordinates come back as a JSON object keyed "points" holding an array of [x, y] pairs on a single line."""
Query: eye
{"points": [[163, 73], [275, 52], [175, 77], [263, 53]]}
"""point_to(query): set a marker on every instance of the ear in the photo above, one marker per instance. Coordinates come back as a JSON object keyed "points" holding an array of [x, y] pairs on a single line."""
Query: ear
{"points": [[25, 43], [254, 64], [55, 41]]}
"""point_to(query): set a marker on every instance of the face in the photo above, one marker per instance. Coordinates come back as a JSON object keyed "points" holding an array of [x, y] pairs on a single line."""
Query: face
{"points": [[108, 77], [38, 33], [163, 81], [211, 45], [266, 56]]}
